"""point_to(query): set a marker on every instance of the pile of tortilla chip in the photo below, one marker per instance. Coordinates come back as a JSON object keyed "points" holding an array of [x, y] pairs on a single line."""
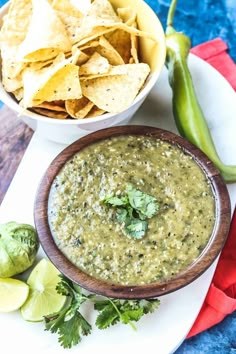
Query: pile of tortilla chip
{"points": [[64, 62]]}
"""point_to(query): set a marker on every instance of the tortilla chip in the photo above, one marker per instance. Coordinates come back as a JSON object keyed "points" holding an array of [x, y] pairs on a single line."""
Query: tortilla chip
{"points": [[104, 48], [10, 67], [97, 64], [78, 57], [44, 40], [59, 81], [72, 24], [102, 9], [127, 14], [113, 71], [121, 41], [83, 6], [52, 106], [13, 32], [89, 45], [109, 52], [100, 28], [19, 93], [100, 14], [49, 113], [115, 93], [95, 112], [16, 22], [37, 66], [67, 7], [134, 46], [64, 84], [79, 108]]}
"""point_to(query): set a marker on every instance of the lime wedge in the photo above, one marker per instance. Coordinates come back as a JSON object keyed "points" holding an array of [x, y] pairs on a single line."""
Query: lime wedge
{"points": [[13, 294], [43, 298]]}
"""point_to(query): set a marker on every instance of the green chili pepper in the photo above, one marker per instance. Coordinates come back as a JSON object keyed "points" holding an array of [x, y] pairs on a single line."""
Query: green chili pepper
{"points": [[187, 112]]}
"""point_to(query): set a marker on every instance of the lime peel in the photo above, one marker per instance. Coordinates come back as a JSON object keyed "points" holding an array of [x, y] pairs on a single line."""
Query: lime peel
{"points": [[43, 298], [13, 294]]}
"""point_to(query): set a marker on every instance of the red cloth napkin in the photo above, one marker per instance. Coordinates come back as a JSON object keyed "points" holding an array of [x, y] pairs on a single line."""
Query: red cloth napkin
{"points": [[221, 297]]}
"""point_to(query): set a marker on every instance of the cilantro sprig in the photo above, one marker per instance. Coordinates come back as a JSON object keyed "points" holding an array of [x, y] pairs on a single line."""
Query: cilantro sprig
{"points": [[71, 325], [112, 311], [133, 210]]}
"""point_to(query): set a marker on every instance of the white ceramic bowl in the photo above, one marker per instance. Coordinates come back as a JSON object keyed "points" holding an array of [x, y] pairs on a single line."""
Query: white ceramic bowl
{"points": [[68, 130]]}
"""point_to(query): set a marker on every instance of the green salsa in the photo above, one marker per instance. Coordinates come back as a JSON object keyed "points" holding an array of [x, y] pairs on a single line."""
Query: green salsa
{"points": [[87, 232]]}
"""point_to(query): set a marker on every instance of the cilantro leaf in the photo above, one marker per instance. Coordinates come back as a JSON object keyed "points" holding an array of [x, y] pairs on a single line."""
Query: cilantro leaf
{"points": [[149, 306], [112, 311], [71, 331], [108, 315], [115, 201], [135, 227], [144, 204], [132, 210], [121, 215]]}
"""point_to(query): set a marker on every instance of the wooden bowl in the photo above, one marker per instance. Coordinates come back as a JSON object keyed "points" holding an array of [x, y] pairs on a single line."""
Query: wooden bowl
{"points": [[205, 259]]}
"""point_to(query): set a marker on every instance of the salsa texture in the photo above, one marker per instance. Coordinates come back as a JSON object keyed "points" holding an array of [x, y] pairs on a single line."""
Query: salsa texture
{"points": [[87, 232]]}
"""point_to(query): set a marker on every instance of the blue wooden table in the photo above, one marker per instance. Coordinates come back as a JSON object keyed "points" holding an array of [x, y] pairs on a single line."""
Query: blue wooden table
{"points": [[203, 20]]}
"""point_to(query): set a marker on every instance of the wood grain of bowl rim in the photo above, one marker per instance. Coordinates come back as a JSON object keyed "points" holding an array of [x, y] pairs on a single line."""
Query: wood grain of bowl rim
{"points": [[203, 262]]}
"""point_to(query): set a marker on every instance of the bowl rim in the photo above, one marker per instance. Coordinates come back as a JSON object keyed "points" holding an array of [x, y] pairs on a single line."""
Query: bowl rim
{"points": [[200, 265], [6, 97]]}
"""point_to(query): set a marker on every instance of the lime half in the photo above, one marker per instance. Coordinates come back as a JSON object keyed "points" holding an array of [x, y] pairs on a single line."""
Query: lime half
{"points": [[43, 298], [13, 294]]}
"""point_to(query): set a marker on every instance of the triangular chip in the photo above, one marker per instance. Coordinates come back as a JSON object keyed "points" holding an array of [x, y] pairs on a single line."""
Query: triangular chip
{"points": [[70, 15], [102, 29], [100, 14], [59, 81], [46, 36], [78, 57], [37, 66], [83, 6], [96, 65], [95, 112], [113, 71], [79, 108], [53, 106], [134, 46], [72, 24], [108, 51], [16, 22], [50, 113], [91, 44], [19, 93], [115, 93], [127, 14], [13, 32], [67, 7], [11, 70], [104, 48], [121, 41], [102, 9]]}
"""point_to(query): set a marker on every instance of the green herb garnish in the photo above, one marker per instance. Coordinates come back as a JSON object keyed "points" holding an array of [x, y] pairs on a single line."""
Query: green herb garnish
{"points": [[132, 210], [71, 325], [112, 311]]}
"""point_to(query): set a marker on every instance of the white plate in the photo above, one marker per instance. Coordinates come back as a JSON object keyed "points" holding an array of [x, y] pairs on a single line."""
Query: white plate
{"points": [[163, 331]]}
